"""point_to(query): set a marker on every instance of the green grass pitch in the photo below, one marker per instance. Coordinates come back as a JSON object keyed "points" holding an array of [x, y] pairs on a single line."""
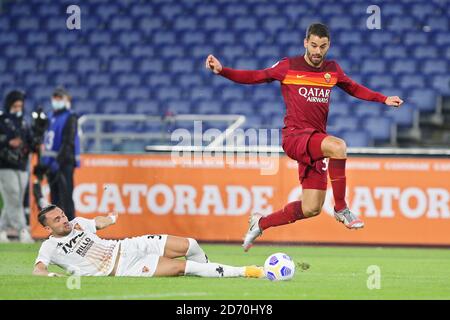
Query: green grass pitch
{"points": [[334, 273]]}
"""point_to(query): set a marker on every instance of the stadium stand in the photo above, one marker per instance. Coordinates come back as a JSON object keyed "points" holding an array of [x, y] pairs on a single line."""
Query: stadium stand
{"points": [[147, 57]]}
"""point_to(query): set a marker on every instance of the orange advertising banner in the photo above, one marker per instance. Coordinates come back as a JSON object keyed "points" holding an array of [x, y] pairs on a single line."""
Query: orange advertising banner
{"points": [[401, 200]]}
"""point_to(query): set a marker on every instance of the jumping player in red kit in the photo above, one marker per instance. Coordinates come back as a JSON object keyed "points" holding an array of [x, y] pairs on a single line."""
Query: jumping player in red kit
{"points": [[306, 84]]}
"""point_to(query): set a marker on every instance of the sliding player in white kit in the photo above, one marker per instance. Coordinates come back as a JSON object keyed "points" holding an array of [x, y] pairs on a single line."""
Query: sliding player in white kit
{"points": [[75, 247]]}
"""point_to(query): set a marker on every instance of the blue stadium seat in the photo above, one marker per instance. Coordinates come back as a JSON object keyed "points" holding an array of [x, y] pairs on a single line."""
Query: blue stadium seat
{"points": [[193, 37], [173, 51], [371, 66], [403, 116], [63, 39], [416, 38], [401, 23], [106, 11], [120, 23], [340, 109], [424, 99], [171, 10], [99, 79], [111, 106], [168, 93], [338, 23], [422, 10], [402, 66], [121, 65], [65, 79], [269, 108], [150, 24], [106, 92], [244, 23], [183, 65], [412, 81], [87, 65], [442, 38], [86, 106], [143, 51], [350, 37], [123, 79], [246, 64], [366, 109], [129, 38], [151, 66], [206, 9], [158, 79], [106, 52], [232, 93], [201, 93], [149, 107], [201, 51], [27, 23], [57, 65], [125, 126], [179, 107], [379, 128], [25, 65], [15, 51], [97, 38], [189, 80], [6, 79], [164, 38], [239, 107], [431, 67], [275, 24], [142, 9], [253, 38], [79, 51], [395, 52], [377, 81], [55, 23], [338, 123], [135, 93], [380, 38], [356, 138], [33, 38], [438, 23], [8, 38], [296, 10], [209, 107], [215, 23], [426, 53], [223, 37], [441, 83], [35, 79], [268, 51]]}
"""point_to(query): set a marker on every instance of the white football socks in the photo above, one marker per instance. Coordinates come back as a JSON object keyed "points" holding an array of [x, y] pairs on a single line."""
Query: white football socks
{"points": [[195, 252], [212, 270]]}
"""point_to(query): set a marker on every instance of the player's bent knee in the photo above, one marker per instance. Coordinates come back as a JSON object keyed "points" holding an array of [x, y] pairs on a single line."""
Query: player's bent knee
{"points": [[311, 211], [338, 148]]}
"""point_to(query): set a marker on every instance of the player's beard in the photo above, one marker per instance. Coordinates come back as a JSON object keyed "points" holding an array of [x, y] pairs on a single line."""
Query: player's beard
{"points": [[316, 59]]}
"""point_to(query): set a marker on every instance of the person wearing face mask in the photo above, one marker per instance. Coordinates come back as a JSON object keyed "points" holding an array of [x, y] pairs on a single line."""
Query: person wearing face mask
{"points": [[16, 144], [61, 153]]}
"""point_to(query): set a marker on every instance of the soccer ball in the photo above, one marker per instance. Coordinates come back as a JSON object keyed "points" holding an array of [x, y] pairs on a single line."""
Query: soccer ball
{"points": [[279, 266]]}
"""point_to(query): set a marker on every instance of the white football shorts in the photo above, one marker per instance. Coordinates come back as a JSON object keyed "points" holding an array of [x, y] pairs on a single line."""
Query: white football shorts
{"points": [[139, 256]]}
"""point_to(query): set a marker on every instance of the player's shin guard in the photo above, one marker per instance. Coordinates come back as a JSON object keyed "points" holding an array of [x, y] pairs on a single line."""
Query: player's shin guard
{"points": [[290, 213], [195, 252], [336, 169], [212, 270]]}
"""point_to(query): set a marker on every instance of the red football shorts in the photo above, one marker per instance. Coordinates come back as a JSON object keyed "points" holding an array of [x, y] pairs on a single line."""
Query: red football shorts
{"points": [[304, 146]]}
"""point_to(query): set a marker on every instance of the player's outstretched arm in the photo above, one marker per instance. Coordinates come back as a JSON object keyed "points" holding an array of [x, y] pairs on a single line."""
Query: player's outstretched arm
{"points": [[393, 101], [40, 269], [102, 222], [276, 72]]}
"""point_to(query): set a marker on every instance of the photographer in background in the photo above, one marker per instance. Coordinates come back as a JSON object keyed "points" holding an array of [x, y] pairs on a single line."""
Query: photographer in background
{"points": [[62, 152], [16, 144]]}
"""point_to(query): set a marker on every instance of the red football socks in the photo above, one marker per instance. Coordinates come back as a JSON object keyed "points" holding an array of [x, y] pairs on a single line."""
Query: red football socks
{"points": [[290, 213], [336, 169]]}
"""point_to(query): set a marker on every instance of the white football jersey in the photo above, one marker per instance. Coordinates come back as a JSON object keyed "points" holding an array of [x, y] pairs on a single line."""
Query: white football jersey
{"points": [[81, 252]]}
